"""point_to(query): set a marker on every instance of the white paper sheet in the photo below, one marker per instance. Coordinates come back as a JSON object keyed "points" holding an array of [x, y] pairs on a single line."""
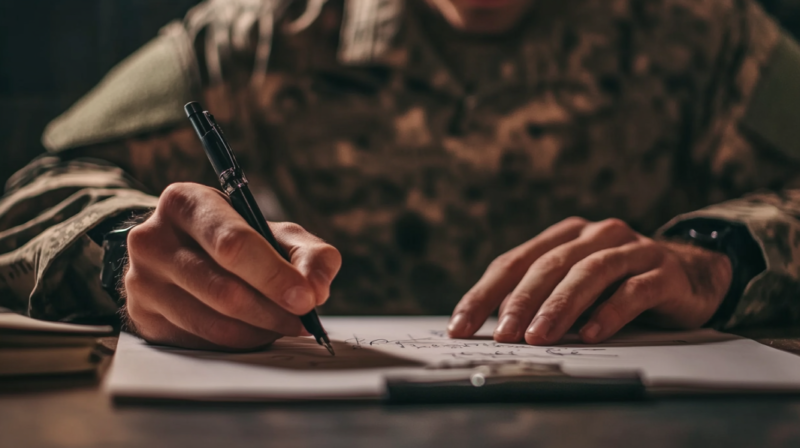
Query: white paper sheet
{"points": [[367, 349]]}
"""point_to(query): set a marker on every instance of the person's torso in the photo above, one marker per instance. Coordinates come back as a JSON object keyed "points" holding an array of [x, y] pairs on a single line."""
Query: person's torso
{"points": [[421, 177]]}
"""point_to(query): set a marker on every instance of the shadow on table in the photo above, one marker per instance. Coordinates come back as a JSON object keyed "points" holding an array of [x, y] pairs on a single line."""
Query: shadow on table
{"points": [[305, 354]]}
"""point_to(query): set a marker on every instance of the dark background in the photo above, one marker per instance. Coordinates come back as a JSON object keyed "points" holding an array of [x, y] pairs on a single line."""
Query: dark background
{"points": [[54, 51]]}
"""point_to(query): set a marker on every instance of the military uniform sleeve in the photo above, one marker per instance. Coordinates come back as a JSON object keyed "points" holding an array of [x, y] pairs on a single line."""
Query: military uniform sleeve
{"points": [[749, 150], [49, 267], [113, 152]]}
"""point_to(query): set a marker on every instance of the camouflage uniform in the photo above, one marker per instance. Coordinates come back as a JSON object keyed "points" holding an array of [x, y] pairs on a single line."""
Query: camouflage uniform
{"points": [[421, 153]]}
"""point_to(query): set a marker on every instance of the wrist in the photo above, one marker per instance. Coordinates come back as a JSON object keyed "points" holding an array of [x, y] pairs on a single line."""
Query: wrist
{"points": [[732, 240], [710, 272]]}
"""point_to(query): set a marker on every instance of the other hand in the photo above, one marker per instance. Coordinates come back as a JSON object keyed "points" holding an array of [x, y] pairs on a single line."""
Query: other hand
{"points": [[199, 276], [543, 286]]}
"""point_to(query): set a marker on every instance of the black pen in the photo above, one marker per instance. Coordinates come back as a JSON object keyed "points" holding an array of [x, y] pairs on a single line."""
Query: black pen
{"points": [[234, 183]]}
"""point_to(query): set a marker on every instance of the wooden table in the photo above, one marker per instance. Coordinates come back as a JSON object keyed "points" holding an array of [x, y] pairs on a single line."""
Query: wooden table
{"points": [[73, 412]]}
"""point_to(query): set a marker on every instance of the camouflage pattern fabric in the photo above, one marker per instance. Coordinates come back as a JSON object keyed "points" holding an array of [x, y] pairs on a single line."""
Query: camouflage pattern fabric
{"points": [[422, 153]]}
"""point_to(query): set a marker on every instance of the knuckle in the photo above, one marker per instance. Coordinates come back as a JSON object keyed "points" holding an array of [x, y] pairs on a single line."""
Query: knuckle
{"points": [[294, 228], [575, 221], [558, 303], [229, 243], [289, 228], [613, 226], [551, 262], [558, 298], [595, 264], [517, 302], [177, 197], [508, 262], [649, 243], [140, 239], [652, 247], [639, 287], [615, 223]]}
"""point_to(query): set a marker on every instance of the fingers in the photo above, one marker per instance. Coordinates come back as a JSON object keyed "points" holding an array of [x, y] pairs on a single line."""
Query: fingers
{"points": [[584, 283], [316, 260], [504, 274], [209, 220], [157, 330], [227, 294], [545, 274], [193, 318], [200, 277], [633, 297]]}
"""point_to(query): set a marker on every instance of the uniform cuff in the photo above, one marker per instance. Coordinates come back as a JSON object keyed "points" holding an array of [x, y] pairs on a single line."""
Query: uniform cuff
{"points": [[771, 295]]}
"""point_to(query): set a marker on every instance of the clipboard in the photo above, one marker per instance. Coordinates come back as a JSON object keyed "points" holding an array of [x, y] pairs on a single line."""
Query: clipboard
{"points": [[509, 383]]}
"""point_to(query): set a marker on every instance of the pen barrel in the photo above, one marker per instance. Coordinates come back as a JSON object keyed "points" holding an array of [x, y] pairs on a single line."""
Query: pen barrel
{"points": [[218, 155]]}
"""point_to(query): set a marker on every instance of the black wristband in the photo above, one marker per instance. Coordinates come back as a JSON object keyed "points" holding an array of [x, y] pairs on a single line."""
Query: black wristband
{"points": [[115, 254]]}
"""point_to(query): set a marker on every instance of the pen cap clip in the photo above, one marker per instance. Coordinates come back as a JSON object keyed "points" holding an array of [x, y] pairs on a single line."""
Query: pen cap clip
{"points": [[217, 149], [199, 121]]}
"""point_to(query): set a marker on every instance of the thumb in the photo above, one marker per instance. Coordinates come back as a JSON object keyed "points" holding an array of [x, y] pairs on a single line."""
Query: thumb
{"points": [[315, 259]]}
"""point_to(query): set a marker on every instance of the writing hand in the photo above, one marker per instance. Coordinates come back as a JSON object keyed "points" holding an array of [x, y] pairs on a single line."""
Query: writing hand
{"points": [[199, 276], [543, 286]]}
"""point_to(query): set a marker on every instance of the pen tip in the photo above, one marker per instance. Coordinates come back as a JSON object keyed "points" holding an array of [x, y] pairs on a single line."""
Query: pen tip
{"points": [[328, 345]]}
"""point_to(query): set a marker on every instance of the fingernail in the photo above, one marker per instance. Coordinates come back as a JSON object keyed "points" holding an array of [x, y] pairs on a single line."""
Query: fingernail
{"points": [[459, 324], [321, 283], [591, 330], [299, 297], [509, 326], [540, 327]]}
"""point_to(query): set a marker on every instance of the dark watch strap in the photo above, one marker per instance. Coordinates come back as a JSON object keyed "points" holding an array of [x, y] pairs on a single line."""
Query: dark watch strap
{"points": [[735, 241], [115, 253]]}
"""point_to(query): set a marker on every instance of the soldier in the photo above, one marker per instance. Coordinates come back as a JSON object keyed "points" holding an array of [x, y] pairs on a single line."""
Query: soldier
{"points": [[594, 154]]}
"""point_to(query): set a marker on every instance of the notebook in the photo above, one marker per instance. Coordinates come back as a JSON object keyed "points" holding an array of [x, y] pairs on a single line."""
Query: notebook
{"points": [[35, 347]]}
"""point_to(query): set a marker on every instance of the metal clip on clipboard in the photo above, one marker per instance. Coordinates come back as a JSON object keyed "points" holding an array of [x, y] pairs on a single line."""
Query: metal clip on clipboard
{"points": [[508, 383]]}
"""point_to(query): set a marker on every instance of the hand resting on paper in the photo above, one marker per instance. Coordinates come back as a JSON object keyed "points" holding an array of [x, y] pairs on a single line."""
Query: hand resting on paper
{"points": [[543, 286], [200, 277]]}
